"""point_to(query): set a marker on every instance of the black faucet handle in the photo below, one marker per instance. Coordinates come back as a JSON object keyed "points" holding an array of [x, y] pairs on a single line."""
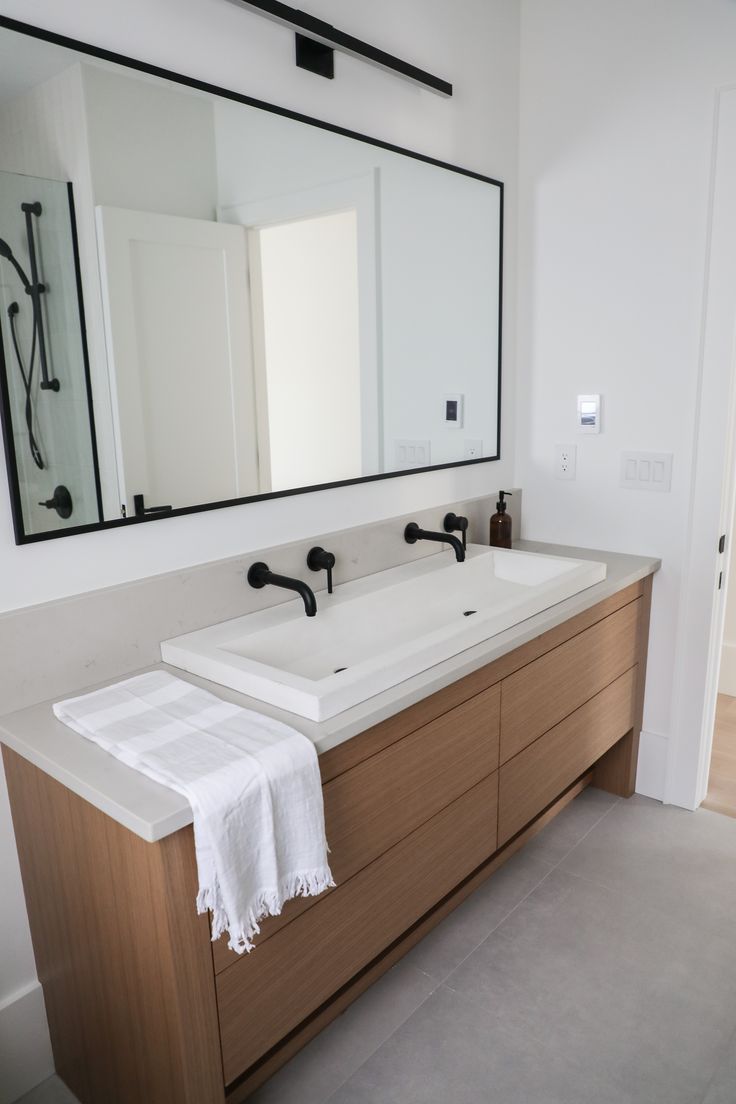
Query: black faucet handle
{"points": [[320, 560], [456, 523]]}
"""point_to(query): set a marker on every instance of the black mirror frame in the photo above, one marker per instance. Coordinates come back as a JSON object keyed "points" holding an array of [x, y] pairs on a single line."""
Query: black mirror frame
{"points": [[21, 537]]}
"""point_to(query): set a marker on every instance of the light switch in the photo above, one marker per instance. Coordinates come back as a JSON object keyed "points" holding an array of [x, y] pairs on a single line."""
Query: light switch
{"points": [[646, 471]]}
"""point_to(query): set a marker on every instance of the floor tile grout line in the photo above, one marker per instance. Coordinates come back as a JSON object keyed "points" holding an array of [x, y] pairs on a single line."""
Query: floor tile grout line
{"points": [[498, 925], [390, 1035], [611, 807], [553, 867], [441, 984]]}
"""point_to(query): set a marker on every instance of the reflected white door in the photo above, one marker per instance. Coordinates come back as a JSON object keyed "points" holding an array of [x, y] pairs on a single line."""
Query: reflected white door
{"points": [[179, 346]]}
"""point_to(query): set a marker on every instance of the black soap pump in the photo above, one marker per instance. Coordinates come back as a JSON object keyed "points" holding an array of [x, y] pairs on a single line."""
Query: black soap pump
{"points": [[501, 524]]}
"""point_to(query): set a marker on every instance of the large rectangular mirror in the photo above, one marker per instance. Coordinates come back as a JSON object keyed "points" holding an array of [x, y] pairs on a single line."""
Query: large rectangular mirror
{"points": [[205, 300]]}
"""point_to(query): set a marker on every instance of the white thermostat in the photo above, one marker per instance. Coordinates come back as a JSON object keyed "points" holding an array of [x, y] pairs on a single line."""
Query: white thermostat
{"points": [[589, 413]]}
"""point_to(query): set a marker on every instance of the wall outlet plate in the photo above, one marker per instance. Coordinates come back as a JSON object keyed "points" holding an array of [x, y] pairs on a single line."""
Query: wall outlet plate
{"points": [[566, 461]]}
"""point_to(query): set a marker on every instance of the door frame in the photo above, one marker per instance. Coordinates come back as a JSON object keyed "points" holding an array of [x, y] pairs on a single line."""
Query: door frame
{"points": [[712, 486]]}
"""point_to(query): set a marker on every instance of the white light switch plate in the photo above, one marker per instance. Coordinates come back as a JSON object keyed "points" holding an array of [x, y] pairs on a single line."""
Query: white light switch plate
{"points": [[646, 471], [411, 454]]}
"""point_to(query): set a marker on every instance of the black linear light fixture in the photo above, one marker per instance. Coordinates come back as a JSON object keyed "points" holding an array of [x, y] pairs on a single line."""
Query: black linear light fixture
{"points": [[316, 42]]}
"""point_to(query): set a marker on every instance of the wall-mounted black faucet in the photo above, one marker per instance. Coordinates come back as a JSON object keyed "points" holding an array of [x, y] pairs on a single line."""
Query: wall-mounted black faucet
{"points": [[456, 523], [259, 575], [413, 533], [319, 560]]}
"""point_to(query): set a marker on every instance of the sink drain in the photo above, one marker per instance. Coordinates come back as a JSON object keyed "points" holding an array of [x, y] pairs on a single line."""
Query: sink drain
{"points": [[469, 613], [338, 670]]}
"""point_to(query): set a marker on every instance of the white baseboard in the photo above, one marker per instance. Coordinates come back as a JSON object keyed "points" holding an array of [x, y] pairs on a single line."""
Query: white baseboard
{"points": [[651, 773], [727, 676], [25, 1048]]}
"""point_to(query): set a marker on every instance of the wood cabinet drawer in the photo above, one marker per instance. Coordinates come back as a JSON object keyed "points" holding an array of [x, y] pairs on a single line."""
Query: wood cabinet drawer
{"points": [[535, 777], [383, 799], [266, 994], [541, 694]]}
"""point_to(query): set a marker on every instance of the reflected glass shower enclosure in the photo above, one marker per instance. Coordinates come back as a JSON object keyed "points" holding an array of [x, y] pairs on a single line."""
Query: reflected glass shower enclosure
{"points": [[45, 394]]}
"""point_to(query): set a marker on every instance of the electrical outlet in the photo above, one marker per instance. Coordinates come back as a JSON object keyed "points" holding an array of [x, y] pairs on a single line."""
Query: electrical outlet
{"points": [[473, 450], [565, 461]]}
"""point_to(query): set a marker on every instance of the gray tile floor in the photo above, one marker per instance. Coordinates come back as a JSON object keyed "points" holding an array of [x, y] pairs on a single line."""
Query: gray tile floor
{"points": [[597, 967]]}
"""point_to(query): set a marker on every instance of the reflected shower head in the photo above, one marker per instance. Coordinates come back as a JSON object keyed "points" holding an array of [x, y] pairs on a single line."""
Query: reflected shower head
{"points": [[7, 252]]}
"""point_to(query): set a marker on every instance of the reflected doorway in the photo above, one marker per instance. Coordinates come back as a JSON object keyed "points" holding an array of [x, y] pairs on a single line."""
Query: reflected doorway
{"points": [[306, 330]]}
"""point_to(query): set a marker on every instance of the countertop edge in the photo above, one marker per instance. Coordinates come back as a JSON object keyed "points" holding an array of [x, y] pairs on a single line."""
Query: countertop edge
{"points": [[130, 798]]}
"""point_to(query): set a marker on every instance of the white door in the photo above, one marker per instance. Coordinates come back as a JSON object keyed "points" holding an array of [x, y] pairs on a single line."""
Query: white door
{"points": [[177, 323]]}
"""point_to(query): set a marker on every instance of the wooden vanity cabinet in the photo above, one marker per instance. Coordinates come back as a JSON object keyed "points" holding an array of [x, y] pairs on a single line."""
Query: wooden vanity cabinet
{"points": [[419, 810]]}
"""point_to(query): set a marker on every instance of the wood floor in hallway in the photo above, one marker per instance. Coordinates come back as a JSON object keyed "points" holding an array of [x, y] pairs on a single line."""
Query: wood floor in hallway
{"points": [[721, 796]]}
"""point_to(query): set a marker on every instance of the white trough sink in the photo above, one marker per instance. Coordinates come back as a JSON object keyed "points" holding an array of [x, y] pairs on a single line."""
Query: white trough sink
{"points": [[375, 632]]}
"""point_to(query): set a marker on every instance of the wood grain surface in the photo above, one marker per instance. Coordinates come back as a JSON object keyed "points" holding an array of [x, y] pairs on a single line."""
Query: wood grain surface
{"points": [[553, 686], [534, 777], [268, 993], [123, 958]]}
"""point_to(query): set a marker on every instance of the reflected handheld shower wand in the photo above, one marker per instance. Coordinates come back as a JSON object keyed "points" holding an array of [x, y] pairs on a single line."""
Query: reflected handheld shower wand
{"points": [[27, 378], [34, 289], [7, 253]]}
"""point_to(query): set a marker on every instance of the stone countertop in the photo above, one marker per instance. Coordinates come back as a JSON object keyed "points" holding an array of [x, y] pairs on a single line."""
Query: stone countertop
{"points": [[152, 811]]}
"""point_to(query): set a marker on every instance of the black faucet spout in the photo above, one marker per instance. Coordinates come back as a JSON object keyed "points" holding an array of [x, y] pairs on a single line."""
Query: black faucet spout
{"points": [[259, 576], [413, 533]]}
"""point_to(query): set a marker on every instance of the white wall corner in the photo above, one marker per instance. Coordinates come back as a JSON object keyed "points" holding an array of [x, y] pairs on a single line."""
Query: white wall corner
{"points": [[651, 774], [25, 1047]]}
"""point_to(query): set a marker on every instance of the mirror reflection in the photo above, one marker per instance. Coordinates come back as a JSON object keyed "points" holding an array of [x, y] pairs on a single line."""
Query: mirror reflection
{"points": [[204, 301]]}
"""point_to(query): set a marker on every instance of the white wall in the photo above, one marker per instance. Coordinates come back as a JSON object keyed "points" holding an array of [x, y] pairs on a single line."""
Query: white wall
{"points": [[472, 42], [437, 335], [151, 147], [617, 105]]}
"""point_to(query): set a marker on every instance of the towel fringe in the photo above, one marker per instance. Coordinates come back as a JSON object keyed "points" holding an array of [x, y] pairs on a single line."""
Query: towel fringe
{"points": [[268, 902]]}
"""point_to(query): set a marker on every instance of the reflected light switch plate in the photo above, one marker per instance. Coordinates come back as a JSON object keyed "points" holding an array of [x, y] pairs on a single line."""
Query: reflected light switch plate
{"points": [[411, 454]]}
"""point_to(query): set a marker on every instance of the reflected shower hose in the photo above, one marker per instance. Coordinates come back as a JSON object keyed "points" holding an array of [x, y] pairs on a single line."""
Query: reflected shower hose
{"points": [[13, 310], [27, 378]]}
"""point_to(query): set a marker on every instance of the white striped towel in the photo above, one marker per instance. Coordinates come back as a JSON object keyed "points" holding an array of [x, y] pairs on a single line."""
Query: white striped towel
{"points": [[253, 784]]}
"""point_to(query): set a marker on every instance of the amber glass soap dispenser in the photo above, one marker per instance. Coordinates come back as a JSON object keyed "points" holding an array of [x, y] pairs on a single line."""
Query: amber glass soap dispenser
{"points": [[501, 523]]}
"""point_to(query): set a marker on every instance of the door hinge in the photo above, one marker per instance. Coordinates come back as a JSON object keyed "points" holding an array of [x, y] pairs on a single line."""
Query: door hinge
{"points": [[722, 543], [720, 579]]}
